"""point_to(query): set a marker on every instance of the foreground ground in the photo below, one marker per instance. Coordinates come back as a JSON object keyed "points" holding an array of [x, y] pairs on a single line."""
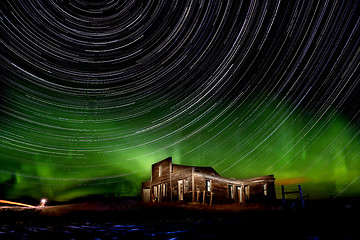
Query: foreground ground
{"points": [[129, 219]]}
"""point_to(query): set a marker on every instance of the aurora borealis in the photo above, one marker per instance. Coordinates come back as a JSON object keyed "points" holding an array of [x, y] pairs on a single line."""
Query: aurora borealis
{"points": [[94, 92]]}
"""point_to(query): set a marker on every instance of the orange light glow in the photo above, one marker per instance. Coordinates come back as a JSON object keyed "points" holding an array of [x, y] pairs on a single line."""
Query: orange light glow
{"points": [[16, 203], [291, 181]]}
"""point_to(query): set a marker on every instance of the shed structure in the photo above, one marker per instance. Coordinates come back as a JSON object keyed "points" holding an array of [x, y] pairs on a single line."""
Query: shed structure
{"points": [[173, 182]]}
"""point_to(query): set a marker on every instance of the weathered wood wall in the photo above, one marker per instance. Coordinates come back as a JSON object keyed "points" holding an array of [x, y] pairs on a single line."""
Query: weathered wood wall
{"points": [[165, 171], [162, 179], [181, 174], [218, 187]]}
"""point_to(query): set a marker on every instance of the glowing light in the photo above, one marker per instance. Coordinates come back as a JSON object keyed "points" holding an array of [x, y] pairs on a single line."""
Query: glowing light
{"points": [[42, 202], [16, 203]]}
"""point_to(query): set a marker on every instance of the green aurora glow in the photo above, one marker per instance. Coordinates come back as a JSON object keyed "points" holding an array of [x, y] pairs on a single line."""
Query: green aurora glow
{"points": [[257, 138]]}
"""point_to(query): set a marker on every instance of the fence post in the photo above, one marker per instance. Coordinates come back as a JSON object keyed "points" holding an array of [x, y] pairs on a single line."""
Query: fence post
{"points": [[283, 195], [291, 192], [301, 197]]}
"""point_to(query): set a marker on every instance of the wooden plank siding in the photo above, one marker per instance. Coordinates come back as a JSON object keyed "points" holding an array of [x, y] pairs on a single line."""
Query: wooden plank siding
{"points": [[173, 182]]}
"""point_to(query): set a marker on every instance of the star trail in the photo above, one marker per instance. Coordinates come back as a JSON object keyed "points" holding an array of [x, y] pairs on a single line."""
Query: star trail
{"points": [[94, 92]]}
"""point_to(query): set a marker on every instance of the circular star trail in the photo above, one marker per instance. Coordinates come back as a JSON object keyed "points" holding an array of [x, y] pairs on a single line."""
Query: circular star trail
{"points": [[94, 92]]}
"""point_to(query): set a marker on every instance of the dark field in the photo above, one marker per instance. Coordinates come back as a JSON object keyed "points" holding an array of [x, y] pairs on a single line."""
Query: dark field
{"points": [[130, 219]]}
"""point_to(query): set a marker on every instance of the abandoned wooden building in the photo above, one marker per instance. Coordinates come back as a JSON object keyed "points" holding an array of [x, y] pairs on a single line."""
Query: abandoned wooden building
{"points": [[173, 182]]}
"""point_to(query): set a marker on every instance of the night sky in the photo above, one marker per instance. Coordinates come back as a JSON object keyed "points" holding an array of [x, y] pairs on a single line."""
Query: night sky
{"points": [[94, 92]]}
